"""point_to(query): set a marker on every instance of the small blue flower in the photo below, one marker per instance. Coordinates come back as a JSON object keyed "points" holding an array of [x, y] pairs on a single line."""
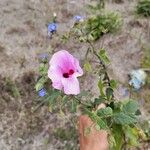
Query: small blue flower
{"points": [[52, 27], [42, 92], [78, 18], [43, 56]]}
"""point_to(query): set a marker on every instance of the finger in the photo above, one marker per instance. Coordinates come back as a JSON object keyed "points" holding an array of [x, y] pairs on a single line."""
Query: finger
{"points": [[98, 138]]}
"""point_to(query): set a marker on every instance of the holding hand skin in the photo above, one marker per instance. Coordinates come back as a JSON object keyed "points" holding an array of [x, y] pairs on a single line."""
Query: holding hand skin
{"points": [[95, 140]]}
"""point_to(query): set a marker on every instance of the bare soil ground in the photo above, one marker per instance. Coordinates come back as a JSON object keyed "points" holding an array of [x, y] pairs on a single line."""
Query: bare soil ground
{"points": [[23, 28]]}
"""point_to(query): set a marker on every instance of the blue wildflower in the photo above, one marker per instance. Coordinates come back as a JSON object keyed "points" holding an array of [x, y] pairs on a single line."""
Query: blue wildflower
{"points": [[52, 27], [78, 18], [43, 56], [42, 92]]}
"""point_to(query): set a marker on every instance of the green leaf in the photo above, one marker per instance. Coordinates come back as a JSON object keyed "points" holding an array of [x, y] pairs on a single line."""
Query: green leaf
{"points": [[83, 94], [113, 84], [43, 69], [143, 8], [65, 38], [99, 100], [145, 125], [40, 83], [101, 123], [38, 86], [52, 98], [124, 119], [74, 105], [112, 142], [104, 56], [109, 93], [130, 107], [118, 136], [101, 87], [64, 100], [90, 114], [132, 136], [97, 25], [87, 67], [103, 112]]}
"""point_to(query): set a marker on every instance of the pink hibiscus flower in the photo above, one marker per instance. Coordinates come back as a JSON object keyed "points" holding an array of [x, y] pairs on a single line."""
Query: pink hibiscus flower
{"points": [[63, 71]]}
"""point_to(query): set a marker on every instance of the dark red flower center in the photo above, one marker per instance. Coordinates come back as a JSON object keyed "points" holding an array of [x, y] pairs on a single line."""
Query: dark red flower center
{"points": [[66, 75], [71, 72]]}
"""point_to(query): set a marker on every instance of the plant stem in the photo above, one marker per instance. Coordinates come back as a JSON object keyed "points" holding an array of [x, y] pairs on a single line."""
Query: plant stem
{"points": [[101, 62], [79, 101]]}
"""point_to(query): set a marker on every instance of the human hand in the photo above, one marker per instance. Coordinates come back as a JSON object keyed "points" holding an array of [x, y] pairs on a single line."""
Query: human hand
{"points": [[95, 140]]}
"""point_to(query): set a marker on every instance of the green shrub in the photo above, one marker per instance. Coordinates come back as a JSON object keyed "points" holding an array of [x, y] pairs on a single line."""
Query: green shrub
{"points": [[118, 1], [146, 58], [11, 87], [143, 8], [145, 63], [101, 24]]}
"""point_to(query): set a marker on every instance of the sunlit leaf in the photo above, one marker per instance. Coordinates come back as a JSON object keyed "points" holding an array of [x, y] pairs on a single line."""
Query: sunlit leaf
{"points": [[113, 84], [104, 112], [132, 136], [103, 56], [102, 124], [124, 119], [40, 83], [38, 86], [87, 67], [96, 119], [130, 107], [112, 142]]}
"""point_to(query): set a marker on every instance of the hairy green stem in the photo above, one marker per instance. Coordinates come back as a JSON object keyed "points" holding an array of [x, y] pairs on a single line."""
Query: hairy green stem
{"points": [[101, 62]]}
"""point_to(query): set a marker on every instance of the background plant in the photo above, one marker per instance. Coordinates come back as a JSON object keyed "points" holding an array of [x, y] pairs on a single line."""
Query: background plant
{"points": [[143, 8], [119, 118], [98, 25]]}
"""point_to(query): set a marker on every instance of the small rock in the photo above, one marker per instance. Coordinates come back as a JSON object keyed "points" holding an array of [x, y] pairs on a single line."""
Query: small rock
{"points": [[138, 78]]}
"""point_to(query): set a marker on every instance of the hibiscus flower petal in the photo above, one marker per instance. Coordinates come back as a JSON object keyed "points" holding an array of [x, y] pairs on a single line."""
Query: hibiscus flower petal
{"points": [[79, 71], [63, 71], [54, 73], [64, 60], [57, 85], [71, 85]]}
